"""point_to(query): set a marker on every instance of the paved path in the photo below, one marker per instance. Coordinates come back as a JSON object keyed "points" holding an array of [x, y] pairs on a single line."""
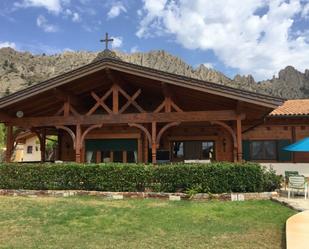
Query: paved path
{"points": [[296, 202], [297, 231]]}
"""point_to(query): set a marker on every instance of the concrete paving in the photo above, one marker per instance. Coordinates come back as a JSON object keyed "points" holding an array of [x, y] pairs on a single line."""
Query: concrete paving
{"points": [[296, 202], [297, 231]]}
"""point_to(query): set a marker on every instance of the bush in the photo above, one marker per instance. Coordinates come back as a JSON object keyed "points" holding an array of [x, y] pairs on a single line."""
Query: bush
{"points": [[211, 178], [271, 180]]}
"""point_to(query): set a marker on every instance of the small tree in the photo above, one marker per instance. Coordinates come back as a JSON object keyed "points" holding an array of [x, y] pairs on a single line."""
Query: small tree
{"points": [[7, 91], [5, 64]]}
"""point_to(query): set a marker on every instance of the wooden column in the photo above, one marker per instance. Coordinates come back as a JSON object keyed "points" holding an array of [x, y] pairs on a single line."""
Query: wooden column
{"points": [[112, 156], [98, 157], [168, 104], [78, 144], [239, 139], [139, 150], [59, 149], [43, 145], [154, 144], [115, 99], [66, 108], [145, 148], [124, 156], [9, 143]]}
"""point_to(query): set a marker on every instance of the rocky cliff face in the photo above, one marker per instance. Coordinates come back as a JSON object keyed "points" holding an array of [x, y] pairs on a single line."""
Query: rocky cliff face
{"points": [[19, 70]]}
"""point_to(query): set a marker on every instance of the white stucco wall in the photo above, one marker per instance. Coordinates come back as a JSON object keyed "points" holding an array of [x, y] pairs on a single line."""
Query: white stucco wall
{"points": [[36, 152], [280, 168]]}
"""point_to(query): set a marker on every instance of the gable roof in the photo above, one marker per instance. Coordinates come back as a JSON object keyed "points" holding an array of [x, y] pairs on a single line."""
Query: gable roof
{"points": [[130, 68], [295, 107]]}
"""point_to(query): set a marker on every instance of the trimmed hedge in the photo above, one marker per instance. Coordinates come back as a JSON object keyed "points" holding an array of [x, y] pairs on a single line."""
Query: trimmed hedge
{"points": [[211, 178]]}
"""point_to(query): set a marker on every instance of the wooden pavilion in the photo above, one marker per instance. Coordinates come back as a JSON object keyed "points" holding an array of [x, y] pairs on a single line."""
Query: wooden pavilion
{"points": [[111, 110]]}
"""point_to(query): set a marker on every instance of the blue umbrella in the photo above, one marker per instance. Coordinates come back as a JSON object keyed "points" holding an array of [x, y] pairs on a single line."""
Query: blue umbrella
{"points": [[301, 145]]}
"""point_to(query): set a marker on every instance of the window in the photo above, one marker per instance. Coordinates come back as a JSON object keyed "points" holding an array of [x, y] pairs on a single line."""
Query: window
{"points": [[208, 150], [178, 151], [106, 156], [263, 150], [131, 156], [29, 149], [193, 150], [118, 158]]}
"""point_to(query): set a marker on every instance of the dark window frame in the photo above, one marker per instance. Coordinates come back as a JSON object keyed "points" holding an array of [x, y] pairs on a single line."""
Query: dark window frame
{"points": [[264, 158], [29, 149], [173, 158]]}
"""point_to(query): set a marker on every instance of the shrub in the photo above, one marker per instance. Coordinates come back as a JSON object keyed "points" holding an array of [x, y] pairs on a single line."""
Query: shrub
{"points": [[219, 177], [271, 181], [211, 178]]}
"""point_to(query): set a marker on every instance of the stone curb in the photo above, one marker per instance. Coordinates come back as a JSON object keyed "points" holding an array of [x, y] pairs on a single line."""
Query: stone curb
{"points": [[139, 195]]}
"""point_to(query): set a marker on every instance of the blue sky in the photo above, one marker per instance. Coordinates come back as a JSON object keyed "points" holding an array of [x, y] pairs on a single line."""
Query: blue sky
{"points": [[257, 37]]}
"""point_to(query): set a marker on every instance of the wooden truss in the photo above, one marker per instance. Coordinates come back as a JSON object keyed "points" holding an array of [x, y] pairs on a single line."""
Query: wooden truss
{"points": [[168, 114], [115, 91]]}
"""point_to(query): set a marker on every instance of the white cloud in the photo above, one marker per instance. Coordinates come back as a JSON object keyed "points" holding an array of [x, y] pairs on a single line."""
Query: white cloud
{"points": [[75, 17], [117, 43], [53, 6], [42, 23], [255, 37], [7, 44], [305, 11], [134, 49], [116, 9], [40, 48]]}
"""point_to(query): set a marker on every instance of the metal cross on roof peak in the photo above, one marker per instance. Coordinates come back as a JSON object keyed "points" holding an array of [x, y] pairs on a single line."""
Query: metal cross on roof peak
{"points": [[106, 40]]}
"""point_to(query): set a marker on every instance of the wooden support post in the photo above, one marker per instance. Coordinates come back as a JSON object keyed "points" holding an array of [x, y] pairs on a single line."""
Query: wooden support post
{"points": [[168, 104], [115, 99], [59, 149], [9, 143], [145, 148], [43, 145], [239, 139], [154, 142], [78, 145], [124, 156], [83, 153], [66, 108], [112, 156], [98, 157], [139, 150]]}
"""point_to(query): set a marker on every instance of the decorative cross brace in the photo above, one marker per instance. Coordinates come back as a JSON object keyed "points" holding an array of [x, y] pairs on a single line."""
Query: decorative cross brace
{"points": [[115, 90], [167, 105], [66, 109], [100, 102], [131, 100]]}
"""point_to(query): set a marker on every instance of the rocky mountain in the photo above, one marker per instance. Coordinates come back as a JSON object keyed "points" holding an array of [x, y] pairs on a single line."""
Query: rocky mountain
{"points": [[19, 70]]}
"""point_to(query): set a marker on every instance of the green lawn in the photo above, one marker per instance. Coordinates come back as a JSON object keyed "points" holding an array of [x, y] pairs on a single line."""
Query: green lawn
{"points": [[91, 222]]}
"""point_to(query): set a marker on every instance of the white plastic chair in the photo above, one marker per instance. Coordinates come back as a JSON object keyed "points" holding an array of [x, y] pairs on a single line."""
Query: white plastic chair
{"points": [[298, 183]]}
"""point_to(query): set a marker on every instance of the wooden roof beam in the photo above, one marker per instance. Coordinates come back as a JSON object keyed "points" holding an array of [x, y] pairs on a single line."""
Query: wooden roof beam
{"points": [[195, 116], [66, 96]]}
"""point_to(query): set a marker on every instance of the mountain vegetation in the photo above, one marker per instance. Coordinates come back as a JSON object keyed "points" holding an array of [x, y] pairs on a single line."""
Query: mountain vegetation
{"points": [[19, 70]]}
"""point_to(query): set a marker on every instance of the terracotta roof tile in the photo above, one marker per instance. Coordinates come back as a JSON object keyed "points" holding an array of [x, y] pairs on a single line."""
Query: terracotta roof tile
{"points": [[295, 107]]}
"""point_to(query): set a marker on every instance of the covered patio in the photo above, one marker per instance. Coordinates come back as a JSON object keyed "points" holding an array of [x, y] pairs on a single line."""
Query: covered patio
{"points": [[128, 113]]}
